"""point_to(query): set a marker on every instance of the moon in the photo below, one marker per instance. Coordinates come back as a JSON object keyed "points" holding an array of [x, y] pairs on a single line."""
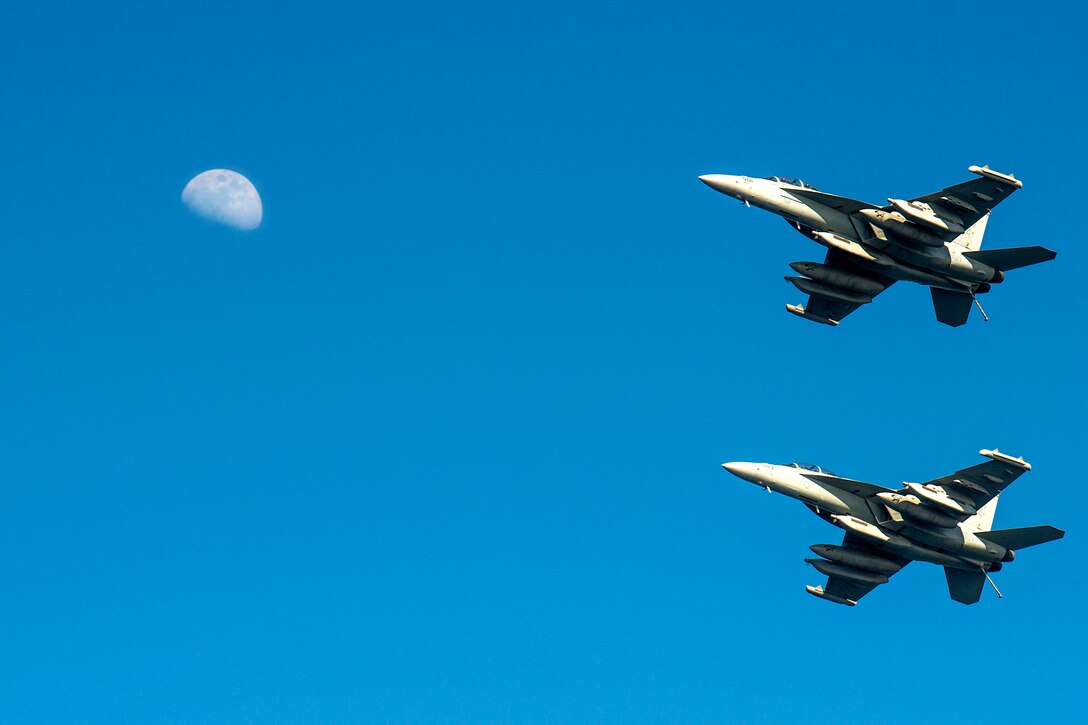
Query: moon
{"points": [[226, 197]]}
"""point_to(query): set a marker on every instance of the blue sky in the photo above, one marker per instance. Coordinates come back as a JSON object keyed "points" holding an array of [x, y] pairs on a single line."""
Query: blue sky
{"points": [[440, 440]]}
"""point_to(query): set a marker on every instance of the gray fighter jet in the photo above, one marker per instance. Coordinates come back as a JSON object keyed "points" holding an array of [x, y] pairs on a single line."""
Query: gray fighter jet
{"points": [[946, 521], [934, 240]]}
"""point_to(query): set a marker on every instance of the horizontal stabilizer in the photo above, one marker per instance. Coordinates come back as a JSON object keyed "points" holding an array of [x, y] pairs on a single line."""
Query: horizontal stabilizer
{"points": [[952, 308], [963, 585], [1012, 258], [1022, 538]]}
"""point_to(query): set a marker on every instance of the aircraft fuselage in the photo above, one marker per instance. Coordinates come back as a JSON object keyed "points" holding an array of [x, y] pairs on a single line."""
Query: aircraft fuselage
{"points": [[953, 546], [905, 253]]}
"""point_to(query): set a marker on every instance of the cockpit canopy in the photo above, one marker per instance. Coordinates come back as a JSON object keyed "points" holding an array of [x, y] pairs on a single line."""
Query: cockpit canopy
{"points": [[791, 182], [812, 467]]}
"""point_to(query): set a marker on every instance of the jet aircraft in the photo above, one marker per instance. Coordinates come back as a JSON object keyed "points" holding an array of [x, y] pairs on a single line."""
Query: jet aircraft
{"points": [[933, 240], [946, 521]]}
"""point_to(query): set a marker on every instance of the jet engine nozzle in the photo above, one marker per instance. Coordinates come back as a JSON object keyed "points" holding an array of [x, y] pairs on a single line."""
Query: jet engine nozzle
{"points": [[1009, 555], [998, 277]]}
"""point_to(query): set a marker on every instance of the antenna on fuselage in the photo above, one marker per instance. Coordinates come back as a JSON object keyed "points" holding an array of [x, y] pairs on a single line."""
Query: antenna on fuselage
{"points": [[986, 319], [987, 575]]}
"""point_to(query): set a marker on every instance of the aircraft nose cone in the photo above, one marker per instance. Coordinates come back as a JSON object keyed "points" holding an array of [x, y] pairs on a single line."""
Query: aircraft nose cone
{"points": [[741, 469], [720, 182]]}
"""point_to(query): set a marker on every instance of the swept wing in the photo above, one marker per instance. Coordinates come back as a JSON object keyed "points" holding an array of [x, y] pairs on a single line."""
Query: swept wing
{"points": [[847, 583], [831, 305], [859, 488], [968, 201], [965, 203], [977, 485], [974, 199], [842, 203]]}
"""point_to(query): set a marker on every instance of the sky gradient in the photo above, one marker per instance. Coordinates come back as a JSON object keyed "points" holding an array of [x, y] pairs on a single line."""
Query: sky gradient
{"points": [[440, 441]]}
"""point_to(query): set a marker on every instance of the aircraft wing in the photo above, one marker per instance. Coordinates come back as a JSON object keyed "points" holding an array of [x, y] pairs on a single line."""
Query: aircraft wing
{"points": [[848, 584], [860, 488], [970, 201], [974, 199], [842, 203], [832, 308], [979, 484]]}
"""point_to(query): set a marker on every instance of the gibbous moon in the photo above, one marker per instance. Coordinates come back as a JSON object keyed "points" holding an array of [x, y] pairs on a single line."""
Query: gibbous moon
{"points": [[226, 197]]}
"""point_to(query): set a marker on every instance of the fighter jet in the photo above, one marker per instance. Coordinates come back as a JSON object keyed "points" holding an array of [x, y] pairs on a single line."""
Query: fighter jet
{"points": [[934, 240], [947, 521]]}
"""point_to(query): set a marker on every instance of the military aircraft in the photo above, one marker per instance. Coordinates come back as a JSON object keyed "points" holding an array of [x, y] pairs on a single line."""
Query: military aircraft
{"points": [[946, 521], [934, 240]]}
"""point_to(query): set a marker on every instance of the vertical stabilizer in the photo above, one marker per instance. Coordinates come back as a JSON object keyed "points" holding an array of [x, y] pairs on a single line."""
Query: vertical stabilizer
{"points": [[952, 308], [965, 586], [984, 519], [972, 237]]}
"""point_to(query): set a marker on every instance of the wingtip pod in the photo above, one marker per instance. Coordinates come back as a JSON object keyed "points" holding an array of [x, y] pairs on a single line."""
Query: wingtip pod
{"points": [[989, 173], [819, 593], [1005, 458], [800, 312]]}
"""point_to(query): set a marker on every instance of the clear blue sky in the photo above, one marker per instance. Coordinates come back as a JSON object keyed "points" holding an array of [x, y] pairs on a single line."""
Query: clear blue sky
{"points": [[441, 440]]}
